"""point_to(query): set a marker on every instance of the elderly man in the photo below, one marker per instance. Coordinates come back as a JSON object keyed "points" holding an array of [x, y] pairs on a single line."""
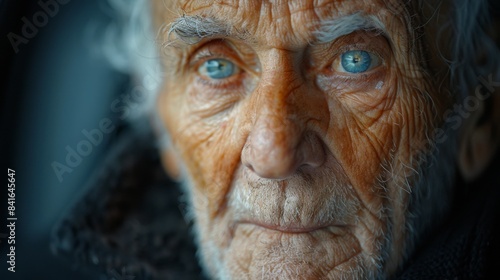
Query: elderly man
{"points": [[329, 139]]}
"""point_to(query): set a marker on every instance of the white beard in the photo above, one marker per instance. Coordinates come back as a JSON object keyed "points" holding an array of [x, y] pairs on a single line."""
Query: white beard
{"points": [[429, 185]]}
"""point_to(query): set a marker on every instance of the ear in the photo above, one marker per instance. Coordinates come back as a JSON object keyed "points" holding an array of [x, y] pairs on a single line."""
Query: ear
{"points": [[480, 138]]}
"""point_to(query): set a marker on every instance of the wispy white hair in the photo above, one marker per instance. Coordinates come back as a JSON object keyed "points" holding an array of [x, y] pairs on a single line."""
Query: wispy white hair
{"points": [[470, 22], [129, 45]]}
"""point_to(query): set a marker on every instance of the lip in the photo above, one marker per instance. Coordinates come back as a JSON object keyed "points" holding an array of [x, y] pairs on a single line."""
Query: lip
{"points": [[293, 229]]}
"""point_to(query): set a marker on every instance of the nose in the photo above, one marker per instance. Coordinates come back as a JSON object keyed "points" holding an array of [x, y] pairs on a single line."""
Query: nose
{"points": [[280, 141]]}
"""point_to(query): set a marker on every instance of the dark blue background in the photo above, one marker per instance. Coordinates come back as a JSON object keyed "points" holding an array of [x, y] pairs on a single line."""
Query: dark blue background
{"points": [[56, 85]]}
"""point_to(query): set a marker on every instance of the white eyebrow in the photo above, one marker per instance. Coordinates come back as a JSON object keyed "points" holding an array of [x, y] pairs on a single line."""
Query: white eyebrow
{"points": [[191, 29], [330, 30]]}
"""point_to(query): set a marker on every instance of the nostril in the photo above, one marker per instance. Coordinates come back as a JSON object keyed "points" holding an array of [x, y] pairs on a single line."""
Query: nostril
{"points": [[312, 151], [245, 157], [278, 144], [249, 166], [280, 163]]}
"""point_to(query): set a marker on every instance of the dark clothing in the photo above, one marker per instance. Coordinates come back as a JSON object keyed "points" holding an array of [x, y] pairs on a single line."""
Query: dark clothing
{"points": [[466, 245], [130, 223]]}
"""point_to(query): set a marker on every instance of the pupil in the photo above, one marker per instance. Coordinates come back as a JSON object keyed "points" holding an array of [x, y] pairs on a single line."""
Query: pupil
{"points": [[218, 68]]}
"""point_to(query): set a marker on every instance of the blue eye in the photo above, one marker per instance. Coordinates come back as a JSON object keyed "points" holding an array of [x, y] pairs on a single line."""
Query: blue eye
{"points": [[218, 68], [356, 61]]}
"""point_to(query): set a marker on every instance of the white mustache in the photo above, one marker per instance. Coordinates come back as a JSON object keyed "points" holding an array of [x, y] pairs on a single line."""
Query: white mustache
{"points": [[302, 201]]}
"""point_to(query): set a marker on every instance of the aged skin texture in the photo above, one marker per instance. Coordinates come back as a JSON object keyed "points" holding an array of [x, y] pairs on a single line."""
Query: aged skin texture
{"points": [[297, 129]]}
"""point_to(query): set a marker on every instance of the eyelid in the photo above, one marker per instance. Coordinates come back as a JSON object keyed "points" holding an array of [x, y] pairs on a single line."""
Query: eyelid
{"points": [[214, 50], [224, 49], [363, 40], [206, 54], [362, 47], [324, 55]]}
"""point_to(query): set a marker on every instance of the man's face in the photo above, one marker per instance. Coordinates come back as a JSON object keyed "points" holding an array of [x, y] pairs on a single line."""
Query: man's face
{"points": [[297, 126]]}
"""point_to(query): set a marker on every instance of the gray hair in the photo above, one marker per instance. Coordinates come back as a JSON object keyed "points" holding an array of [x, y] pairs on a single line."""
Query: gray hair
{"points": [[131, 46], [471, 20]]}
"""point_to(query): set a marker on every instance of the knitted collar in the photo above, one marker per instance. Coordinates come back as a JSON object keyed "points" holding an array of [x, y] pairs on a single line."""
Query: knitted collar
{"points": [[129, 221]]}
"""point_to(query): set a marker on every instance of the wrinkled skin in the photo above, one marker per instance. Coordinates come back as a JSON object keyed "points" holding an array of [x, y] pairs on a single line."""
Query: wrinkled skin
{"points": [[297, 169]]}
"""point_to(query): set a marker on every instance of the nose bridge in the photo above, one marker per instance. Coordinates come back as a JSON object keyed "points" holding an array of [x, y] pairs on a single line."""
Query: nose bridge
{"points": [[278, 110], [272, 148], [280, 86]]}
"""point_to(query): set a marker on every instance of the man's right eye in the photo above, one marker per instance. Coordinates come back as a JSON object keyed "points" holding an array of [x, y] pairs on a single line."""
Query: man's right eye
{"points": [[218, 69]]}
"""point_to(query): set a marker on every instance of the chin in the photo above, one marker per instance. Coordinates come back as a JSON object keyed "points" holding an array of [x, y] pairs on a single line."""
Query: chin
{"points": [[314, 232], [258, 252], [317, 225]]}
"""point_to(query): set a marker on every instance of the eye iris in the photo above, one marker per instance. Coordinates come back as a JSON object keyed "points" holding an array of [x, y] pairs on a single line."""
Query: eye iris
{"points": [[356, 61], [218, 68]]}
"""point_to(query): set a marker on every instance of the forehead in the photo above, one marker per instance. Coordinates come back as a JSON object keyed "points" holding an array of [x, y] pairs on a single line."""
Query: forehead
{"points": [[281, 7], [282, 22]]}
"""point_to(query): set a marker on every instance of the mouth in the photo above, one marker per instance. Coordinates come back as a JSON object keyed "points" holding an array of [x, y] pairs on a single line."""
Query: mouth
{"points": [[291, 228]]}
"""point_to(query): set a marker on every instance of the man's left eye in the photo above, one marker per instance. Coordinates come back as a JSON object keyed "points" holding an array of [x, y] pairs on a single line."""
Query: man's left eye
{"points": [[218, 69], [358, 61]]}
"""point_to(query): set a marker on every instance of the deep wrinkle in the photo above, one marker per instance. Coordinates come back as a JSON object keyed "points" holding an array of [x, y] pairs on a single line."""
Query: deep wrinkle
{"points": [[270, 132]]}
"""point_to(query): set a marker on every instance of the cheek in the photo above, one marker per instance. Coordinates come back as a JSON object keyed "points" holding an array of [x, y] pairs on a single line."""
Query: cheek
{"points": [[360, 136], [372, 133], [208, 148]]}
